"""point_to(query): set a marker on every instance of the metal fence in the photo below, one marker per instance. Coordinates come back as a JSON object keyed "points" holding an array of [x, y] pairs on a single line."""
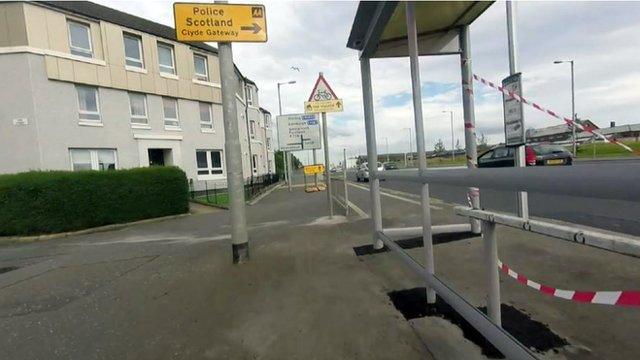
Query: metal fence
{"points": [[217, 195], [340, 190]]}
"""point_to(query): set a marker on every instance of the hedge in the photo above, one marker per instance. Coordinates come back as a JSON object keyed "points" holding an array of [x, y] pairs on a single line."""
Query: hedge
{"points": [[40, 202]]}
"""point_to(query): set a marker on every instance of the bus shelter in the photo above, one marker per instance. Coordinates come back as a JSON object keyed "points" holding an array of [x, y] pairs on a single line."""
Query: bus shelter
{"points": [[411, 29]]}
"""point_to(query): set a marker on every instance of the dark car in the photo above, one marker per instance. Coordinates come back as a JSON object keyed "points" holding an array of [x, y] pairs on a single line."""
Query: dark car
{"points": [[535, 155], [390, 166]]}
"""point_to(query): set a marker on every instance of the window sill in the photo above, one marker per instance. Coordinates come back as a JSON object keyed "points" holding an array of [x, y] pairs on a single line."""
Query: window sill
{"points": [[169, 76], [212, 177], [141, 126], [135, 69], [172, 128], [90, 123], [208, 131], [207, 83]]}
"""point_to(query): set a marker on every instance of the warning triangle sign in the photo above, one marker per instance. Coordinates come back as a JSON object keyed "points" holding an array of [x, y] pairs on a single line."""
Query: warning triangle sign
{"points": [[322, 91]]}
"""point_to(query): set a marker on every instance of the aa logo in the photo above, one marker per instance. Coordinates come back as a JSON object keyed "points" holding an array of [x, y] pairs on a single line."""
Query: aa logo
{"points": [[257, 12]]}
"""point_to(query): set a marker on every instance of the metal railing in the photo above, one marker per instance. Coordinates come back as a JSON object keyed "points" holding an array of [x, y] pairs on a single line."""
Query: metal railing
{"points": [[340, 190], [215, 194]]}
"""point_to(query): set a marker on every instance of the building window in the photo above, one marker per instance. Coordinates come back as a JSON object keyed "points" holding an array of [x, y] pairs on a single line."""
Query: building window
{"points": [[249, 96], [80, 39], [254, 163], [209, 162], [138, 108], [88, 103], [206, 118], [252, 129], [170, 108], [133, 51], [93, 159], [200, 66], [166, 59]]}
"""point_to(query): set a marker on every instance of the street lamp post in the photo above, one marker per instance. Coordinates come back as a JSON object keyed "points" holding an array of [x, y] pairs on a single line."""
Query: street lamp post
{"points": [[410, 146], [286, 156], [386, 139], [453, 148], [573, 105]]}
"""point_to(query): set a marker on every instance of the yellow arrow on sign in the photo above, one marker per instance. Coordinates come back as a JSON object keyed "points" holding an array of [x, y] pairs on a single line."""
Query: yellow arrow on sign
{"points": [[220, 22]]}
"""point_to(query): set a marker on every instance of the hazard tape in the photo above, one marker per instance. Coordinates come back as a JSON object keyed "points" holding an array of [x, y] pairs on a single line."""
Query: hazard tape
{"points": [[618, 298], [569, 122]]}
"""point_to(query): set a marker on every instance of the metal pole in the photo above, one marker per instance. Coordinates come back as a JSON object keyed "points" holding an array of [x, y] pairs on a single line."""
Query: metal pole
{"points": [[523, 198], [233, 156], [453, 148], [284, 153], [491, 267], [372, 152], [289, 169], [412, 37], [387, 141], [573, 112], [344, 180], [325, 137], [469, 120], [315, 161]]}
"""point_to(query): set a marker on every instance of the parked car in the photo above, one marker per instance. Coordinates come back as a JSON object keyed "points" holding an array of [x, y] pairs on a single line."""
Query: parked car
{"points": [[362, 174], [390, 166], [535, 155]]}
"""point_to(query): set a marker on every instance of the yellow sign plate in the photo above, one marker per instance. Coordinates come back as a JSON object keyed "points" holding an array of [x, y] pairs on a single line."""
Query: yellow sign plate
{"points": [[313, 169], [311, 107], [220, 22]]}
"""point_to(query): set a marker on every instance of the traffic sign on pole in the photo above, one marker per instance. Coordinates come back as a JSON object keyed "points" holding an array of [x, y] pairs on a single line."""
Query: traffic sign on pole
{"points": [[220, 22]]}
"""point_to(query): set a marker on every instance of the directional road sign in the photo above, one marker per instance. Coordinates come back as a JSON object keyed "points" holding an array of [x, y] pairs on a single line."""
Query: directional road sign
{"points": [[313, 169], [298, 132], [220, 22]]}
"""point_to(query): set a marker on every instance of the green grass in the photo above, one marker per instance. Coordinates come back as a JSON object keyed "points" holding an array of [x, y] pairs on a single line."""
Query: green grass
{"points": [[607, 150], [219, 199]]}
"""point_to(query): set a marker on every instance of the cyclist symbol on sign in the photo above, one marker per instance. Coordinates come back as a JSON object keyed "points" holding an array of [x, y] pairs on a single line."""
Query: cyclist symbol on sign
{"points": [[322, 95]]}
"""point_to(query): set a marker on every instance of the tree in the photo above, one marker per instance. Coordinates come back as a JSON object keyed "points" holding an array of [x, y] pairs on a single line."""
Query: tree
{"points": [[482, 143], [458, 147], [439, 148]]}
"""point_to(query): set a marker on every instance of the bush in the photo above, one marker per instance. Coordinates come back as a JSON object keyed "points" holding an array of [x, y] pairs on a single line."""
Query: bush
{"points": [[39, 202]]}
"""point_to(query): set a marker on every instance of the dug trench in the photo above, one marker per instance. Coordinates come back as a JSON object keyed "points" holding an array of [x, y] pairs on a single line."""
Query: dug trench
{"points": [[412, 304]]}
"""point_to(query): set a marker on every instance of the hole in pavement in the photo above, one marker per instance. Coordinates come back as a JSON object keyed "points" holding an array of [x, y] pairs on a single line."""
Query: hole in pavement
{"points": [[412, 303], [414, 243], [7, 269]]}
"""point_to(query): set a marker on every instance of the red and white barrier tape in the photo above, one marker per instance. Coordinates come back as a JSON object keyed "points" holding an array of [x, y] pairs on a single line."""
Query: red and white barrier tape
{"points": [[570, 122], [618, 298]]}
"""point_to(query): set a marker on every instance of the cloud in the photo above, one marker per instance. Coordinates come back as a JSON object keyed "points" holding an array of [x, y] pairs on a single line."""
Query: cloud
{"points": [[599, 36]]}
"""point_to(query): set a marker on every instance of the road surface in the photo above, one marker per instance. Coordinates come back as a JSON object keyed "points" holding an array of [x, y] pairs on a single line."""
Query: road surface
{"points": [[620, 216]]}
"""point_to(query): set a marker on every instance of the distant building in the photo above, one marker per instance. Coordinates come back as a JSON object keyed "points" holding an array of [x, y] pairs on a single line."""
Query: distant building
{"points": [[88, 87], [563, 133]]}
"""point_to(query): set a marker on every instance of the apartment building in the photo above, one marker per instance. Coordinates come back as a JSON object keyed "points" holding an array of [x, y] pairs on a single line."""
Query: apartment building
{"points": [[88, 87]]}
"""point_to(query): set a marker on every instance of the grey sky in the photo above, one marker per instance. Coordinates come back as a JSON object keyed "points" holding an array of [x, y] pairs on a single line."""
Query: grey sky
{"points": [[600, 36]]}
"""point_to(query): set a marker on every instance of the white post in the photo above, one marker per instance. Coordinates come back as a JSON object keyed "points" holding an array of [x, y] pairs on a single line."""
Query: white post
{"points": [[469, 120], [491, 271], [327, 174], [372, 152], [520, 157], [412, 38], [344, 180]]}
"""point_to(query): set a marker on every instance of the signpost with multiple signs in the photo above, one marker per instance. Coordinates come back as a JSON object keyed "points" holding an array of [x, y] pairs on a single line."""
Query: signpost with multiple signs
{"points": [[220, 22], [225, 23], [323, 100], [514, 133], [298, 132]]}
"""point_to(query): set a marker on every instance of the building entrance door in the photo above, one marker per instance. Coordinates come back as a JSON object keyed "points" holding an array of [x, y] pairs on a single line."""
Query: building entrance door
{"points": [[157, 157]]}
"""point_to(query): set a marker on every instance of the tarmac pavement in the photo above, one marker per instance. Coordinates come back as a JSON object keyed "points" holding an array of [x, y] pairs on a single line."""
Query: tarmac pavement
{"points": [[168, 290]]}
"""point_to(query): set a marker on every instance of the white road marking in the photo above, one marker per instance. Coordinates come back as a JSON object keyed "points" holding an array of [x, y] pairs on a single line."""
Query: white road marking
{"points": [[395, 196]]}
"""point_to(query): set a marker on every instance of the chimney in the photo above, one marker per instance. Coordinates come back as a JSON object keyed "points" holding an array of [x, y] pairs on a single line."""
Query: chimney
{"points": [[612, 124]]}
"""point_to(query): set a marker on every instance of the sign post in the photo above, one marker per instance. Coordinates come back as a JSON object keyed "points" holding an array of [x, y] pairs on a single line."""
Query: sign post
{"points": [[226, 23], [513, 113], [323, 100]]}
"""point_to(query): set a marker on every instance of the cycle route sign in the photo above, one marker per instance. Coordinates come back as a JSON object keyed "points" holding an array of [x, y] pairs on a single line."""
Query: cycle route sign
{"points": [[322, 99]]}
